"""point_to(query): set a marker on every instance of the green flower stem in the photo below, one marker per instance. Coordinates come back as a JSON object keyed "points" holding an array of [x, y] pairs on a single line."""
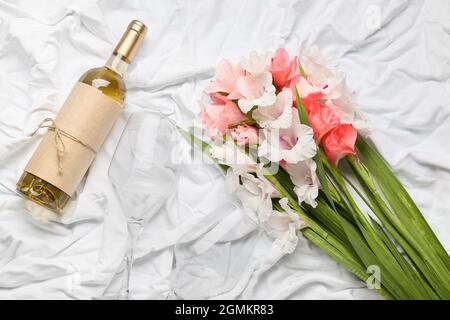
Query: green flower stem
{"points": [[417, 247], [374, 250], [412, 273], [339, 245], [400, 201], [356, 269]]}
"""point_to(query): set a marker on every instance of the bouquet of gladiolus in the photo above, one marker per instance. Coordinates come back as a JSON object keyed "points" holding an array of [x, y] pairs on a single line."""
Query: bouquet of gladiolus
{"points": [[281, 129]]}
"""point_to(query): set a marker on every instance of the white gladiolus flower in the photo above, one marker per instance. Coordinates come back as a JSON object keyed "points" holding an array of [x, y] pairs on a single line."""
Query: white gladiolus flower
{"points": [[305, 88], [293, 144], [255, 91], [318, 67], [255, 88], [257, 64], [303, 175], [344, 108], [283, 226], [232, 155], [321, 75], [256, 194], [278, 115]]}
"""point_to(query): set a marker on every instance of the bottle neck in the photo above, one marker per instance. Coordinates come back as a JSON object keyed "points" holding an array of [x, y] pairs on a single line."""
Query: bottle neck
{"points": [[117, 63]]}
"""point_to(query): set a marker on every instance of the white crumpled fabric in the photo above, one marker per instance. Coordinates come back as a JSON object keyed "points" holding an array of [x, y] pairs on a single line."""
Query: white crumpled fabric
{"points": [[396, 57]]}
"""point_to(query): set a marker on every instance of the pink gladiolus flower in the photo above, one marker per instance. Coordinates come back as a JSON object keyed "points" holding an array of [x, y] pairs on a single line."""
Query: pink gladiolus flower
{"points": [[339, 142], [312, 101], [322, 121], [283, 70], [245, 134], [337, 139], [321, 118], [226, 77], [220, 115]]}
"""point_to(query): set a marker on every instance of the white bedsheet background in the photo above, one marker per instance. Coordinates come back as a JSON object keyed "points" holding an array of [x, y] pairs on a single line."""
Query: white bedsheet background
{"points": [[397, 58]]}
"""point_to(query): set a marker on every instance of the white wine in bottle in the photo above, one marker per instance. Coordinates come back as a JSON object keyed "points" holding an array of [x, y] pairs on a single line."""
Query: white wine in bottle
{"points": [[76, 134]]}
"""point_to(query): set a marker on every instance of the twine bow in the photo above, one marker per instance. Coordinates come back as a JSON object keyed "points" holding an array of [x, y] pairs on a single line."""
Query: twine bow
{"points": [[59, 143]]}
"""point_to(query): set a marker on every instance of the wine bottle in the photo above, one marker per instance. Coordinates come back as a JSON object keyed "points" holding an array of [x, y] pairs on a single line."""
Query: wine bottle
{"points": [[76, 134]]}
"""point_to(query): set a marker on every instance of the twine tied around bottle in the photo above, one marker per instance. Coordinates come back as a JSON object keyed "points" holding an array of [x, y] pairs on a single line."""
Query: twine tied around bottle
{"points": [[59, 143]]}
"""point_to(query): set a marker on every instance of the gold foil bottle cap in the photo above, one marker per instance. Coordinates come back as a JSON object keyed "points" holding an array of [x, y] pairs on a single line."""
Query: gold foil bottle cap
{"points": [[131, 40]]}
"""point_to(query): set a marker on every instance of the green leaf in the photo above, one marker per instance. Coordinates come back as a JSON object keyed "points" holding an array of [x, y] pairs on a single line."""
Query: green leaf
{"points": [[397, 231], [395, 192], [411, 229], [328, 217], [320, 159], [369, 246], [301, 109], [411, 273], [356, 268]]}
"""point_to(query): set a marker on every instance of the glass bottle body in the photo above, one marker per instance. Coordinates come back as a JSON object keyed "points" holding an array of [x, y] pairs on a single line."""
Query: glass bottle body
{"points": [[108, 79]]}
